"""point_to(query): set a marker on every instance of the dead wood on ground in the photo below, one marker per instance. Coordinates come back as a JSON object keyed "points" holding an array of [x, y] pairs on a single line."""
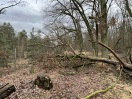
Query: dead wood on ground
{"points": [[127, 67], [6, 90], [43, 82]]}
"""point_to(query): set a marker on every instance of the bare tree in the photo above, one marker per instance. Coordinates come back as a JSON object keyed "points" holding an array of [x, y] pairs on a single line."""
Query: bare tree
{"points": [[79, 7], [124, 26], [67, 10], [86, 10], [13, 3]]}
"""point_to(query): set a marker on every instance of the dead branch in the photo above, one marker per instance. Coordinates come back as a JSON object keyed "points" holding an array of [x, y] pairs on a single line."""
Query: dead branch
{"points": [[116, 43], [112, 52], [125, 65], [99, 91], [2, 10]]}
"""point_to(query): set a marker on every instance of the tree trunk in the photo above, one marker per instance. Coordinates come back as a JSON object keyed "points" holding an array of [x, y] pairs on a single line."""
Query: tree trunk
{"points": [[22, 48], [84, 17], [104, 29], [79, 36]]}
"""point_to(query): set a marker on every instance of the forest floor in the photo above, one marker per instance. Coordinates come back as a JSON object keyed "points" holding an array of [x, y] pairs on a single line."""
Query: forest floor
{"points": [[72, 85]]}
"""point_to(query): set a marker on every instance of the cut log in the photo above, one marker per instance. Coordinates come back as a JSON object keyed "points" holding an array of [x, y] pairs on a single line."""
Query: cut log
{"points": [[43, 82], [6, 90]]}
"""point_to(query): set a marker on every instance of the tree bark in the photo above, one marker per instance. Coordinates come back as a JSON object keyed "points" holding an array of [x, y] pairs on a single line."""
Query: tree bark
{"points": [[104, 29], [6, 90], [84, 17]]}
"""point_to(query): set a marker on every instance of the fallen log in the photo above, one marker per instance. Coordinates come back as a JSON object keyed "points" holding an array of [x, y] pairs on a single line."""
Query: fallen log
{"points": [[106, 60], [6, 90], [99, 59], [124, 65], [127, 68]]}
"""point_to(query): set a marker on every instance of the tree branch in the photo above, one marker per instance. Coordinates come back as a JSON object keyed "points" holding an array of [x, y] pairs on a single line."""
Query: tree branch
{"points": [[112, 52], [128, 8], [2, 10]]}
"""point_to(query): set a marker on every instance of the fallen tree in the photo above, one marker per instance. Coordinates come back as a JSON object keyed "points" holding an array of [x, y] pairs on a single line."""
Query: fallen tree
{"points": [[127, 68]]}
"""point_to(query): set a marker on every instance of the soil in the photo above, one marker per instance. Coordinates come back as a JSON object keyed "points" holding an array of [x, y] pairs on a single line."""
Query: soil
{"points": [[70, 86]]}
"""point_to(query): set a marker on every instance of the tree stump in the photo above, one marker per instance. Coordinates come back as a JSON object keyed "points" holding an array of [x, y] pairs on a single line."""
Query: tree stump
{"points": [[43, 82]]}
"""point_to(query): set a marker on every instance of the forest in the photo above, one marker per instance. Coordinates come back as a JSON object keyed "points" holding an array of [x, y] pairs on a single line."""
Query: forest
{"points": [[84, 51]]}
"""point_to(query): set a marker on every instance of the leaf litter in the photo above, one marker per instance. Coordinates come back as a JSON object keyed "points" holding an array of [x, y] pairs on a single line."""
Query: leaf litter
{"points": [[87, 80]]}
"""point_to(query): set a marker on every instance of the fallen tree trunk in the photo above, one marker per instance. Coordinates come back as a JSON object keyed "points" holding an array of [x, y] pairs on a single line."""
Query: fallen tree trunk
{"points": [[99, 59], [106, 60], [6, 90], [127, 68], [124, 65]]}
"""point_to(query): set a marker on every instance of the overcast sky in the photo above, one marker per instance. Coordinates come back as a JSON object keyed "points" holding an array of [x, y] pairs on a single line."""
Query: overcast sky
{"points": [[25, 17], [28, 16]]}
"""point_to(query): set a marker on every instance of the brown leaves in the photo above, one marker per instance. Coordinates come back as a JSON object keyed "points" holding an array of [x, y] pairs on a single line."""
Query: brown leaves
{"points": [[87, 80]]}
